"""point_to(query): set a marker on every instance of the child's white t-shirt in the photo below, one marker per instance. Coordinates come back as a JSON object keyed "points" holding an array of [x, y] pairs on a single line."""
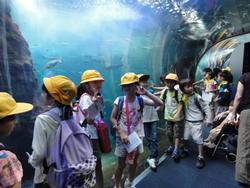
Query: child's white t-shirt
{"points": [[85, 102], [135, 117], [149, 112]]}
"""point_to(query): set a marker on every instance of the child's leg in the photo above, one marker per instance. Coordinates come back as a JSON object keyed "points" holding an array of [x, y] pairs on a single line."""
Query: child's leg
{"points": [[147, 130], [200, 150], [187, 132], [198, 138], [119, 170], [178, 133], [98, 169], [132, 169], [153, 140], [170, 132]]}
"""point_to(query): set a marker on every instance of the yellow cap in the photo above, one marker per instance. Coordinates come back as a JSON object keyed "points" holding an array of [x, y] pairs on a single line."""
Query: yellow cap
{"points": [[143, 76], [61, 88], [8, 106], [227, 69], [91, 75], [172, 76], [129, 78]]}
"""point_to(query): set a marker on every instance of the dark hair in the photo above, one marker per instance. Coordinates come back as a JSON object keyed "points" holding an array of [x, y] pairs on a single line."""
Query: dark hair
{"points": [[216, 71], [207, 69], [144, 78], [184, 82], [7, 118], [45, 90], [227, 76], [66, 110], [80, 90]]}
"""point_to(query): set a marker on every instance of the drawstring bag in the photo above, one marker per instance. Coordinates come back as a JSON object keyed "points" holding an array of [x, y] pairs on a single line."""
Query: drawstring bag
{"points": [[103, 134]]}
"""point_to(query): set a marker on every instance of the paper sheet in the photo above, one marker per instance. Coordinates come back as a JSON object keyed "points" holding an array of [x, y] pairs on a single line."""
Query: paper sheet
{"points": [[134, 142]]}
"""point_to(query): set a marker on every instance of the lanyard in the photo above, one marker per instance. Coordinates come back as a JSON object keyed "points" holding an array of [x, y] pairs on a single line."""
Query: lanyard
{"points": [[127, 115]]}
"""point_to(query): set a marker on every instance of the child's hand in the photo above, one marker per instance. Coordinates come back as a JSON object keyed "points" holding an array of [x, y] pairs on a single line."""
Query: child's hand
{"points": [[124, 138], [141, 90], [176, 118], [96, 94], [219, 116]]}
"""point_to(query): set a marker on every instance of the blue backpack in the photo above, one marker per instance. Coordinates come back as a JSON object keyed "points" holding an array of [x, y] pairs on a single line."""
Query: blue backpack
{"points": [[73, 162], [120, 105]]}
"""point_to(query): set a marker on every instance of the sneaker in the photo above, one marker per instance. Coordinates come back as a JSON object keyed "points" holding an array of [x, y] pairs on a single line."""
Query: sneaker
{"points": [[209, 145], [151, 163], [206, 140], [176, 156], [170, 150], [184, 153], [128, 184], [200, 163]]}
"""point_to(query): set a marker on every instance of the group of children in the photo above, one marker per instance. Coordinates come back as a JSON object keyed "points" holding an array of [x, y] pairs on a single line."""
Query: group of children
{"points": [[185, 111]]}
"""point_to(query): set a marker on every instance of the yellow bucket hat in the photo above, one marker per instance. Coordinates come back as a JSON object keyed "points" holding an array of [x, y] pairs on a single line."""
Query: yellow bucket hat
{"points": [[172, 76], [61, 88], [8, 106], [143, 77], [227, 69], [129, 78], [91, 75]]}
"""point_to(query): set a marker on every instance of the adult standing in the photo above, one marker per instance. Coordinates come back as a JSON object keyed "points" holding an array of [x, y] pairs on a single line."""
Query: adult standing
{"points": [[242, 104]]}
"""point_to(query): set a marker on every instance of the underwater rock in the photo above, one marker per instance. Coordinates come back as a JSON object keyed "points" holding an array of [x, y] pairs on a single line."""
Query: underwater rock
{"points": [[17, 76]]}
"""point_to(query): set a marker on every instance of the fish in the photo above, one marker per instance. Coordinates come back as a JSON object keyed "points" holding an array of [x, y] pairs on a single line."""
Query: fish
{"points": [[52, 63]]}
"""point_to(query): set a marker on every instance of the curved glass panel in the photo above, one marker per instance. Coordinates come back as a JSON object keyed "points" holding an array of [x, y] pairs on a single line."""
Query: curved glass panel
{"points": [[220, 55]]}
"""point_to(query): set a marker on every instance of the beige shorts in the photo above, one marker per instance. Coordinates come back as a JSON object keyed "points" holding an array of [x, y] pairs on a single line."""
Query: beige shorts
{"points": [[194, 130]]}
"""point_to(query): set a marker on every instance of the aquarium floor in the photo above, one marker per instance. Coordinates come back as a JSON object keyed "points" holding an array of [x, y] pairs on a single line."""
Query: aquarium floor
{"points": [[218, 173]]}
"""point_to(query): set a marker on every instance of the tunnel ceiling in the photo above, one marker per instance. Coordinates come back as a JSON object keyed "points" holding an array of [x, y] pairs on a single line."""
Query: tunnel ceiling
{"points": [[192, 25], [188, 27], [189, 19]]}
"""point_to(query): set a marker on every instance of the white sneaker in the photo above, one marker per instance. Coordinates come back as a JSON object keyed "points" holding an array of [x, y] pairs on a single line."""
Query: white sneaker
{"points": [[209, 145], [128, 184], [151, 163]]}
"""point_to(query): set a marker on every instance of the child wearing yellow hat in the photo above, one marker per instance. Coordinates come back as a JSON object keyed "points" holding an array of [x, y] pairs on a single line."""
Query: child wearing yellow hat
{"points": [[57, 94], [171, 96], [87, 93], [127, 120], [11, 171]]}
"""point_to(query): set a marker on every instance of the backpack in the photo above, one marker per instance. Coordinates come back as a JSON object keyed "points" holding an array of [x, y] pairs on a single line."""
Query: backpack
{"points": [[73, 163], [120, 105], [198, 105], [165, 97], [225, 95], [121, 102]]}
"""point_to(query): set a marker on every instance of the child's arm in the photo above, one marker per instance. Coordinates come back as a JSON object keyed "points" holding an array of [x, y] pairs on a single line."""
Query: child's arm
{"points": [[206, 109], [113, 119], [178, 113], [114, 115], [155, 101], [159, 88]]}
